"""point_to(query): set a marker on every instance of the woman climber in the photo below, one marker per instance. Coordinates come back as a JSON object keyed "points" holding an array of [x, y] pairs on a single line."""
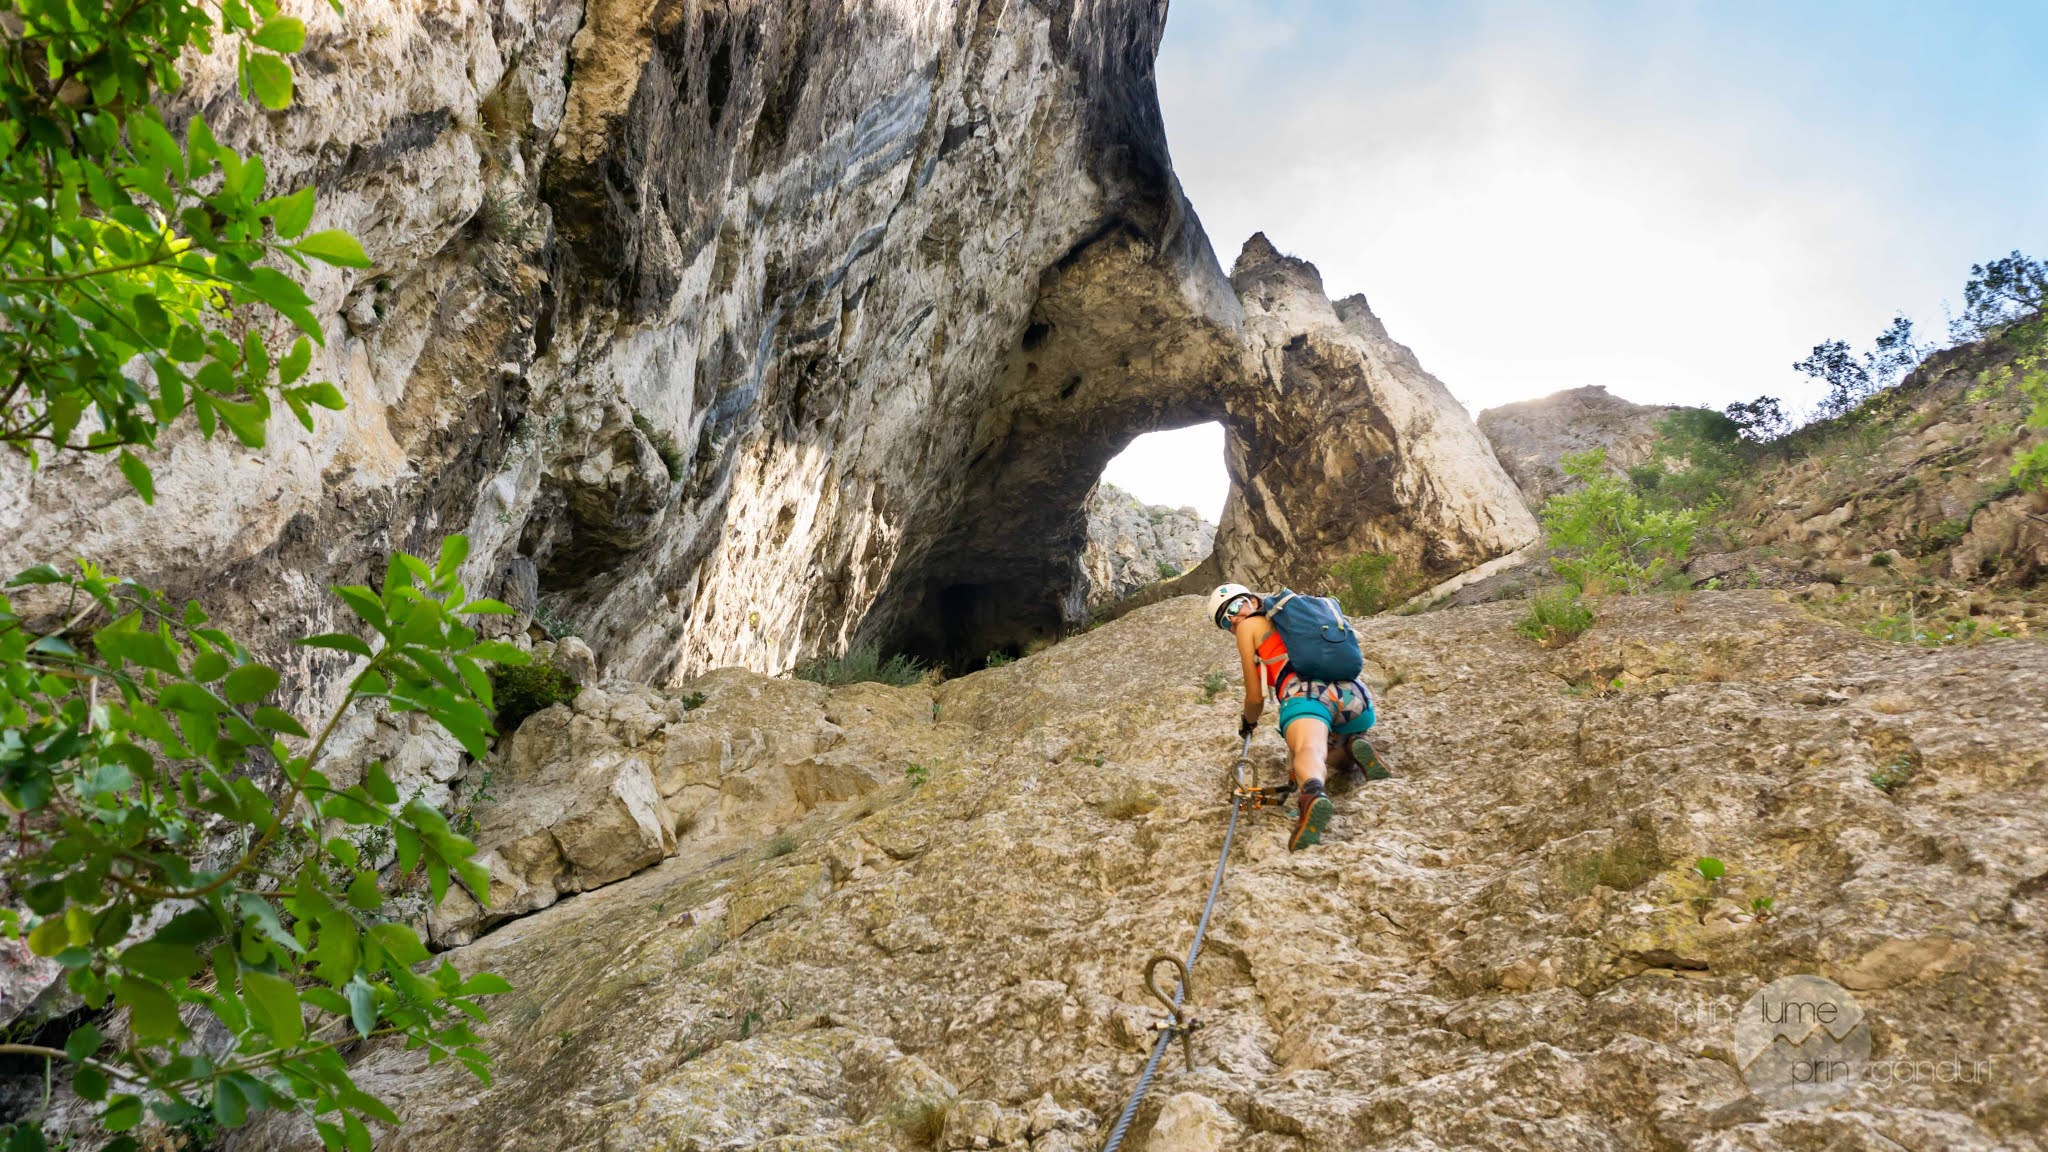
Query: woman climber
{"points": [[1307, 653]]}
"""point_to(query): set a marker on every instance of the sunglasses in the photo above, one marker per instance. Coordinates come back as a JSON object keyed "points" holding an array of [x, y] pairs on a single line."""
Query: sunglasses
{"points": [[1230, 609]]}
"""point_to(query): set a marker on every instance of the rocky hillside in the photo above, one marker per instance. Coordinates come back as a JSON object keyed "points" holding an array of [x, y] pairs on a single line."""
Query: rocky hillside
{"points": [[1905, 520], [1132, 544], [1530, 437], [905, 918]]}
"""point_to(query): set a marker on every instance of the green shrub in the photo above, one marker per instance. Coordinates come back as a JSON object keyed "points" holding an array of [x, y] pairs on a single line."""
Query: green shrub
{"points": [[1603, 538], [782, 845], [521, 691], [917, 775], [664, 446], [1556, 617], [138, 736], [996, 658], [861, 664], [1369, 583], [1212, 685], [1167, 570]]}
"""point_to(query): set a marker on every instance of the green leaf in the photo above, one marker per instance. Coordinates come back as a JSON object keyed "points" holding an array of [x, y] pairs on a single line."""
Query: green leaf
{"points": [[377, 782], [250, 683], [228, 1106], [365, 604], [399, 943], [138, 477], [454, 550], [363, 893], [123, 644], [153, 1014], [278, 720], [339, 641], [49, 938], [280, 34], [271, 79], [273, 1006], [295, 362], [323, 394], [1711, 868], [40, 574], [362, 1006], [289, 215], [161, 961], [88, 1082], [209, 666], [486, 984], [269, 286], [121, 1115], [83, 1042], [333, 247]]}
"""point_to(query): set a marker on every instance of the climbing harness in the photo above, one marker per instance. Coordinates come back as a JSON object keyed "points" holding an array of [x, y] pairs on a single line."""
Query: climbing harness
{"points": [[1181, 1021]]}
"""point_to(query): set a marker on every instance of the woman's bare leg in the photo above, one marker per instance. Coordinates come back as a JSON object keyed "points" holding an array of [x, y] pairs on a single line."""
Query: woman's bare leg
{"points": [[1308, 745]]}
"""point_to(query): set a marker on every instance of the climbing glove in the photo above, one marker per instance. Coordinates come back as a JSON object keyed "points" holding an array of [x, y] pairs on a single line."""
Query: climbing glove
{"points": [[1246, 727]]}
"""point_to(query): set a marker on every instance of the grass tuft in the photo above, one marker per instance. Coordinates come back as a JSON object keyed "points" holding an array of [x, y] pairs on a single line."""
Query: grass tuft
{"points": [[1555, 618], [862, 664]]}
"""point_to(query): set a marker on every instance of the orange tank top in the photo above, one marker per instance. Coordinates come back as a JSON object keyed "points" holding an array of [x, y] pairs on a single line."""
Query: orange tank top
{"points": [[1272, 653]]}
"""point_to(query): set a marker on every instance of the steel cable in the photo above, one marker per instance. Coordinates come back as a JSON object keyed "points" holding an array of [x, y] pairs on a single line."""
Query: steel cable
{"points": [[1130, 1112]]}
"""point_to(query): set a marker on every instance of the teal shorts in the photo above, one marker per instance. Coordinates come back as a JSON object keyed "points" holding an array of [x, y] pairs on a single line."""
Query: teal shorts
{"points": [[1346, 707]]}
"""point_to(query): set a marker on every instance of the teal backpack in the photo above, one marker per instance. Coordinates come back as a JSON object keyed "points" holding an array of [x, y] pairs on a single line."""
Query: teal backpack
{"points": [[1321, 644]]}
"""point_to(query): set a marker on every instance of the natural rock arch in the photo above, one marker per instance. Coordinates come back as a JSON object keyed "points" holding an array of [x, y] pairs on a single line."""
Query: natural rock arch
{"points": [[726, 334]]}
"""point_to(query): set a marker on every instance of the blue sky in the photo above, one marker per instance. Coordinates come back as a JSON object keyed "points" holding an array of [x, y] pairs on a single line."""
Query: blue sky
{"points": [[1674, 200]]}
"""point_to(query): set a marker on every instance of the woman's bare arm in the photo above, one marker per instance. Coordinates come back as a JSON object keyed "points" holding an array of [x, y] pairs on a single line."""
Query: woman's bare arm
{"points": [[1254, 673]]}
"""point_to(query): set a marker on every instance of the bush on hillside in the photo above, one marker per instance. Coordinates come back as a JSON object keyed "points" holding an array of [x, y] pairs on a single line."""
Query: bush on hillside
{"points": [[1604, 538], [525, 689], [1369, 583]]}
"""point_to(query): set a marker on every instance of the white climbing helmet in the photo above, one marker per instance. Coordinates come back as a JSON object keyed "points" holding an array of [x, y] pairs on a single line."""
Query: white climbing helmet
{"points": [[1223, 595]]}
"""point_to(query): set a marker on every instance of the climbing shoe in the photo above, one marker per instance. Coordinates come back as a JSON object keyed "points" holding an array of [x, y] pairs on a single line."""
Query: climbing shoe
{"points": [[1316, 811], [1367, 760]]}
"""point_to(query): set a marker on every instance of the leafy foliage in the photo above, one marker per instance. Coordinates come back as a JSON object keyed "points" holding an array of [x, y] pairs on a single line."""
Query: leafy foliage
{"points": [[2010, 290], [1760, 420], [1853, 378], [522, 690], [1603, 537], [1369, 583], [1696, 454], [136, 268], [862, 663], [155, 870]]}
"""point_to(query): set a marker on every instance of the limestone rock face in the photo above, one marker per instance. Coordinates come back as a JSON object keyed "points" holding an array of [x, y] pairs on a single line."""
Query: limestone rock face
{"points": [[1504, 945], [1344, 444], [1131, 544], [1532, 436], [722, 329]]}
